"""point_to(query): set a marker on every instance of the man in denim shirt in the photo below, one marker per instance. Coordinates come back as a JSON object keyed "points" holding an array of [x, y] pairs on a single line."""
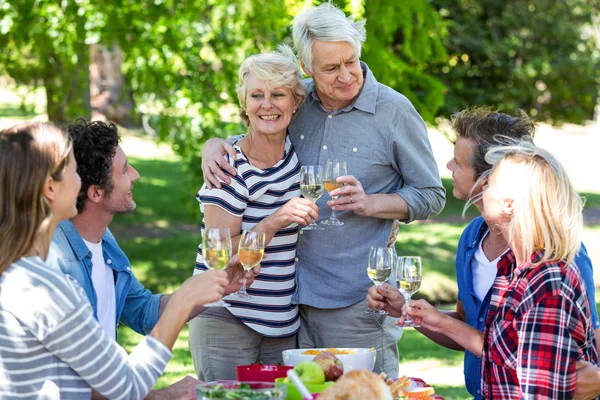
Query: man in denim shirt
{"points": [[85, 248], [480, 247]]}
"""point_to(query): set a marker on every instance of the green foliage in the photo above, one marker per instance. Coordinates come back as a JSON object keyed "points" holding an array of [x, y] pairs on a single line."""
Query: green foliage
{"points": [[538, 56], [404, 40], [47, 43]]}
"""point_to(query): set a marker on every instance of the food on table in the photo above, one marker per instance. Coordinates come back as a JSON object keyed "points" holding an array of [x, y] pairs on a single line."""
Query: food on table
{"points": [[414, 393], [332, 366], [243, 391], [358, 385], [332, 350], [310, 372]]}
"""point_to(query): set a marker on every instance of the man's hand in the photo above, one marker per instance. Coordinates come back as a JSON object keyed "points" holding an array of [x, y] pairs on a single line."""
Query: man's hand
{"points": [[352, 197], [235, 273], [424, 314], [386, 297], [588, 381], [183, 389], [213, 162]]}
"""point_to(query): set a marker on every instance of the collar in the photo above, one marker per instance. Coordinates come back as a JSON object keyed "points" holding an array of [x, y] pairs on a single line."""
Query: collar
{"points": [[75, 240], [367, 97], [506, 265], [481, 231]]}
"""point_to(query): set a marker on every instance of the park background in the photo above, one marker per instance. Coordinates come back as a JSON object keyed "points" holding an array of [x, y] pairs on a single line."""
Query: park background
{"points": [[165, 71]]}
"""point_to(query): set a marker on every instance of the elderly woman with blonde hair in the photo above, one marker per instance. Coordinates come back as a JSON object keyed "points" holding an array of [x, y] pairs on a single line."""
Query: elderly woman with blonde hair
{"points": [[538, 324], [263, 197]]}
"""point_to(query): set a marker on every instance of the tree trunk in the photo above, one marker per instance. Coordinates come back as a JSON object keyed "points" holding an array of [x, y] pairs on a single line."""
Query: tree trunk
{"points": [[109, 98]]}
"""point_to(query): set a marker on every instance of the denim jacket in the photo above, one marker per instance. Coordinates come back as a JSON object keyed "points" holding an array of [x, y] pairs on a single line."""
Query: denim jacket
{"points": [[136, 306], [476, 311]]}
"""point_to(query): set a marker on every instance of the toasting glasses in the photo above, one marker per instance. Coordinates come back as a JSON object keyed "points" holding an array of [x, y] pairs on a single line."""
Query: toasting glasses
{"points": [[333, 169], [311, 186], [216, 251], [250, 252], [379, 269], [408, 276]]}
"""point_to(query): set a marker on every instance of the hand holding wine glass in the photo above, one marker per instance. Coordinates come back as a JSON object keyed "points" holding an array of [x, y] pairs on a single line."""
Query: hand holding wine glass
{"points": [[311, 186], [379, 269], [250, 252], [216, 252], [333, 169], [409, 274]]}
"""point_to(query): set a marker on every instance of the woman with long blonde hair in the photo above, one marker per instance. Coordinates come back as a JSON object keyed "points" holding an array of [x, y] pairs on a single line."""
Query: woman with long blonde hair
{"points": [[538, 324], [51, 346]]}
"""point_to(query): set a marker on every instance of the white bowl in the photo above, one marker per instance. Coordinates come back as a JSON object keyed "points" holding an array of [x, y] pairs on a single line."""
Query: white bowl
{"points": [[362, 359]]}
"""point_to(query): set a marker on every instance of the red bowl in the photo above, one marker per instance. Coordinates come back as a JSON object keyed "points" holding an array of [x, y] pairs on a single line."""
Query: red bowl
{"points": [[261, 372]]}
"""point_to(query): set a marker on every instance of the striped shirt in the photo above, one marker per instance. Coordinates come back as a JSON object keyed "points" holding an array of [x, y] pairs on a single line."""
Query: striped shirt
{"points": [[538, 325], [252, 195], [51, 347]]}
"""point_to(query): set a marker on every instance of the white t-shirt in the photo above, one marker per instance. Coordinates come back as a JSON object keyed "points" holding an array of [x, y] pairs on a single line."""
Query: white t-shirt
{"points": [[484, 270], [104, 285]]}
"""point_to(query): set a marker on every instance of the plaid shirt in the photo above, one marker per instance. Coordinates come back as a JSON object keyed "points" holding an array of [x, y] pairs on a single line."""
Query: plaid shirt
{"points": [[538, 325]]}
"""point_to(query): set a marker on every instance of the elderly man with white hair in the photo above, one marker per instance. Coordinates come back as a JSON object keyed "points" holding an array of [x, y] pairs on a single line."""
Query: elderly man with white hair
{"points": [[351, 117]]}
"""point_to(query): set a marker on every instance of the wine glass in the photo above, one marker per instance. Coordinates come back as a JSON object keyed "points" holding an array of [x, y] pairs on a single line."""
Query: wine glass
{"points": [[311, 186], [216, 251], [333, 169], [250, 252], [379, 269], [408, 276]]}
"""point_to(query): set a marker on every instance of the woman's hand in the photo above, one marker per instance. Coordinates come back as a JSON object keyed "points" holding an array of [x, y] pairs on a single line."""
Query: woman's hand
{"points": [[425, 315], [386, 297], [213, 162], [297, 210], [588, 381], [352, 197]]}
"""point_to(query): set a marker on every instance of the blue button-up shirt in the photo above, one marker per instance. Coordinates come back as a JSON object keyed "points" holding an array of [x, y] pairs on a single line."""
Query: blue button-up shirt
{"points": [[135, 305], [384, 142], [476, 310]]}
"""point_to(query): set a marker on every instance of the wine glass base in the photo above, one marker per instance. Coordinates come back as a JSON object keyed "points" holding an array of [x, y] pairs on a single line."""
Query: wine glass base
{"points": [[243, 295], [334, 222], [410, 324], [312, 228]]}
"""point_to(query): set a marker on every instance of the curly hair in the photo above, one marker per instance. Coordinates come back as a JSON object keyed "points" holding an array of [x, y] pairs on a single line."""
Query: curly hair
{"points": [[94, 145]]}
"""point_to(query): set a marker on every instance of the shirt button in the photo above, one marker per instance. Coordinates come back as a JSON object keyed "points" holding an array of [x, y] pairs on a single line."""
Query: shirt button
{"points": [[480, 319], [355, 149], [301, 136], [128, 268], [301, 232], [329, 116], [478, 391], [109, 261], [296, 259], [325, 147]]}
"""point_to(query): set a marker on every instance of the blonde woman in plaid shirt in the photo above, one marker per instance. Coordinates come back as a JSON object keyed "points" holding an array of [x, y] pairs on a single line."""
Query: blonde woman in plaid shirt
{"points": [[538, 325]]}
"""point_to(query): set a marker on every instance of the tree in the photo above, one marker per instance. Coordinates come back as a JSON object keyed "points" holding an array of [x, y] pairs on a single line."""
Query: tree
{"points": [[533, 55]]}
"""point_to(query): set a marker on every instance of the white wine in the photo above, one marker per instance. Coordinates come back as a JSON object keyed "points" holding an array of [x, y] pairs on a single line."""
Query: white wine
{"points": [[250, 258], [379, 275], [331, 185], [216, 259], [409, 287], [312, 192]]}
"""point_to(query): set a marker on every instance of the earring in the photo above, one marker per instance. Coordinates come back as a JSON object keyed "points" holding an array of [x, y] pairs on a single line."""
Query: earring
{"points": [[294, 112]]}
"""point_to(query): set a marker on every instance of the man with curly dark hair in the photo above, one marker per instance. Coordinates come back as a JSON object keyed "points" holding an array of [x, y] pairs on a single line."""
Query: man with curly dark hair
{"points": [[84, 247]]}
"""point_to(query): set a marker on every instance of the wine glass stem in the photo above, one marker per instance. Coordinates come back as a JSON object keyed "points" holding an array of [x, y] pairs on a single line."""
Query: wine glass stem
{"points": [[243, 288]]}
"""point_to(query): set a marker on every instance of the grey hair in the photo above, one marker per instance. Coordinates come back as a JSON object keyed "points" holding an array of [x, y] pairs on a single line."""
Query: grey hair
{"points": [[278, 69], [325, 23]]}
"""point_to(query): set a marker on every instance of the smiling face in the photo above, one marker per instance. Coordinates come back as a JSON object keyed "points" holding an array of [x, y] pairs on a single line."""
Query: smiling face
{"points": [[269, 109], [120, 199], [336, 73], [463, 175]]}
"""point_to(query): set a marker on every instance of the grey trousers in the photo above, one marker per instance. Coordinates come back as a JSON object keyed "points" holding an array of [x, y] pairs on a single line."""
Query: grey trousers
{"points": [[219, 344], [352, 327]]}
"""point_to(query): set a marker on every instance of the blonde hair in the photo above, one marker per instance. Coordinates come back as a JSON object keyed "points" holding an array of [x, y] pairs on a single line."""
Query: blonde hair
{"points": [[278, 69], [29, 154], [325, 23], [547, 209]]}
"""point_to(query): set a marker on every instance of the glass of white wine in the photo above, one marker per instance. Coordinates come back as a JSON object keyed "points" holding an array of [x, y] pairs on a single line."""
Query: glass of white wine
{"points": [[216, 251], [379, 268], [333, 169], [311, 186], [408, 276], [250, 252]]}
